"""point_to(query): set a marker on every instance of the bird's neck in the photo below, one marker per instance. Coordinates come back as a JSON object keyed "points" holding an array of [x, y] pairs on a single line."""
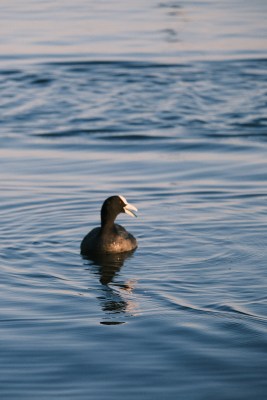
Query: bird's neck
{"points": [[107, 224]]}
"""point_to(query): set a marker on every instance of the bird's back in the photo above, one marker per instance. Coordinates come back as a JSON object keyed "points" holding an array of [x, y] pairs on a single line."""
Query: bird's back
{"points": [[117, 240]]}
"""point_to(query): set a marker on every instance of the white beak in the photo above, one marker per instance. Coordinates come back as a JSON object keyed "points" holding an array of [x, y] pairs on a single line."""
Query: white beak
{"points": [[129, 208]]}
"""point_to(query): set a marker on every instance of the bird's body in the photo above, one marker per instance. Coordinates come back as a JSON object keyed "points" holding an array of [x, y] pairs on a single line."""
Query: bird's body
{"points": [[110, 237], [116, 240]]}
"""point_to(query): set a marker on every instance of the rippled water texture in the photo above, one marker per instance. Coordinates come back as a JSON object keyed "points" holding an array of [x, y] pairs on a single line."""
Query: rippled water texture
{"points": [[184, 316]]}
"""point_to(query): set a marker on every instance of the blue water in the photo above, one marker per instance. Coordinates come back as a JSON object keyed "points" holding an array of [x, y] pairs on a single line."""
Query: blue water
{"points": [[164, 103]]}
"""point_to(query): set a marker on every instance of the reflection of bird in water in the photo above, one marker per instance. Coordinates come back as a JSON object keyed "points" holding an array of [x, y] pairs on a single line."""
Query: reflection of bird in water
{"points": [[109, 264], [113, 301], [110, 237]]}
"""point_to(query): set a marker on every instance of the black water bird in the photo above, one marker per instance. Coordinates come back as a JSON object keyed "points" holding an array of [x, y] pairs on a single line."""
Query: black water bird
{"points": [[110, 237]]}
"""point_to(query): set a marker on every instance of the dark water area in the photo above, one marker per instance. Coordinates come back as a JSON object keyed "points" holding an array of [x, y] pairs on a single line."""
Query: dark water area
{"points": [[184, 140]]}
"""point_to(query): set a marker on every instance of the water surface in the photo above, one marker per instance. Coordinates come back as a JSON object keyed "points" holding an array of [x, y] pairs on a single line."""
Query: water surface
{"points": [[182, 135]]}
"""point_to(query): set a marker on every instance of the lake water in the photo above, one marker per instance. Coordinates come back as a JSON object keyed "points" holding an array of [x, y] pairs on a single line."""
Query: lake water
{"points": [[165, 103]]}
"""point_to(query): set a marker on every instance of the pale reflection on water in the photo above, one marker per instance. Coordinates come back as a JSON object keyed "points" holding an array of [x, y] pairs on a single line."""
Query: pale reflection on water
{"points": [[173, 30]]}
